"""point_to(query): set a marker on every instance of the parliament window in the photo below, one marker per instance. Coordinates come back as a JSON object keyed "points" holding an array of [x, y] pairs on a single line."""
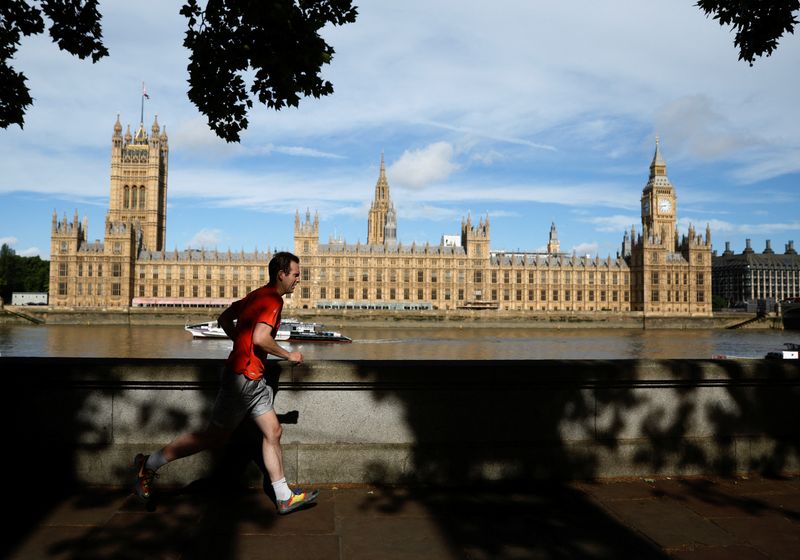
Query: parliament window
{"points": [[80, 269], [579, 295], [478, 277], [654, 295], [181, 291], [337, 293], [155, 291], [364, 294], [494, 295], [494, 277], [194, 291], [167, 291], [420, 294], [208, 291], [116, 269], [115, 289], [543, 295], [519, 295], [305, 292], [420, 276], [323, 293], [591, 295], [433, 293], [141, 290], [555, 295], [62, 269]]}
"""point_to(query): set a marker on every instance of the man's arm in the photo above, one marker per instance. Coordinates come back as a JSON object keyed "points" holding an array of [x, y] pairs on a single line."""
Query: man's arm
{"points": [[262, 338], [227, 317]]}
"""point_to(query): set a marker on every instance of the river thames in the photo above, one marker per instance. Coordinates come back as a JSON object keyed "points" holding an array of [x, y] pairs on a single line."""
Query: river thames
{"points": [[424, 342]]}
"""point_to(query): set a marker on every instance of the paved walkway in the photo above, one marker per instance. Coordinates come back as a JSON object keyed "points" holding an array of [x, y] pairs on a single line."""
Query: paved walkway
{"points": [[686, 518]]}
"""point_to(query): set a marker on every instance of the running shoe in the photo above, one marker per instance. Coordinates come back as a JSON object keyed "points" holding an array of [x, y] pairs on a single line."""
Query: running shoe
{"points": [[143, 477], [298, 500]]}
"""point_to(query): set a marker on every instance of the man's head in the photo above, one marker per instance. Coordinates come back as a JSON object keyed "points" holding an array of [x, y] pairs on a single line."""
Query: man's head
{"points": [[284, 272]]}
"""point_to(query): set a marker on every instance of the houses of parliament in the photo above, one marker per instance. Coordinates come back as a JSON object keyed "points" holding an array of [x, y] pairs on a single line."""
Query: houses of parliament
{"points": [[656, 271]]}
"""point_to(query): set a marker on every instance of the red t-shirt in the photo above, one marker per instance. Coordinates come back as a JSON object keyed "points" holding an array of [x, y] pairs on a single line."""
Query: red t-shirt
{"points": [[262, 305]]}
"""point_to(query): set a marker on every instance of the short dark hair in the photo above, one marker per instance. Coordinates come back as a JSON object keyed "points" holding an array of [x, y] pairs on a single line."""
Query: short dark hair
{"points": [[280, 262]]}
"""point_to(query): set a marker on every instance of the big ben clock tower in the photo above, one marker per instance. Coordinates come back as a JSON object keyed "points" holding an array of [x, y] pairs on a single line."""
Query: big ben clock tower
{"points": [[658, 204]]}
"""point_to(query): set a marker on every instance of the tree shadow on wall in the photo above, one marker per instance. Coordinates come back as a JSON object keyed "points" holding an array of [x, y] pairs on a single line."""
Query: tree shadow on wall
{"points": [[496, 442], [63, 411]]}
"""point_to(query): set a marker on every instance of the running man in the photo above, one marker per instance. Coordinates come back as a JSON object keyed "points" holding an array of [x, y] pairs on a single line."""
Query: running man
{"points": [[243, 389]]}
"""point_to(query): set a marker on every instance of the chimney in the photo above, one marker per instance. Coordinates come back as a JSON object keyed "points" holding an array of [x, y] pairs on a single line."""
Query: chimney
{"points": [[728, 251], [768, 249], [790, 248], [748, 247]]}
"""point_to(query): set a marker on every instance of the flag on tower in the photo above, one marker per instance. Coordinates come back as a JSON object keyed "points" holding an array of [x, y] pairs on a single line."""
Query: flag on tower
{"points": [[144, 92]]}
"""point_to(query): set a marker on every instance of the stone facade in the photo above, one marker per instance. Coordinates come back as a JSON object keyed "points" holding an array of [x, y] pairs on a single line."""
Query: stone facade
{"points": [[654, 272]]}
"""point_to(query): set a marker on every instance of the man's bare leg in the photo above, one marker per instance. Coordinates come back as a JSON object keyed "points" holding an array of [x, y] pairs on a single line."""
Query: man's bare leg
{"points": [[184, 445], [271, 448], [190, 443], [286, 500]]}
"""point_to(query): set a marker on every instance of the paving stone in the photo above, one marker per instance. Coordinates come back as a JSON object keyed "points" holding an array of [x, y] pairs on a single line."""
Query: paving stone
{"points": [[787, 504], [255, 514], [140, 535], [393, 539], [719, 553], [392, 502], [668, 523], [87, 508], [750, 486], [617, 490], [712, 500], [53, 543], [776, 537], [265, 547]]}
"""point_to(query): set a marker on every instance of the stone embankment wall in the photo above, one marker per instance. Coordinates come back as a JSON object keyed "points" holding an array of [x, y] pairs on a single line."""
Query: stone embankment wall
{"points": [[464, 318], [423, 422]]}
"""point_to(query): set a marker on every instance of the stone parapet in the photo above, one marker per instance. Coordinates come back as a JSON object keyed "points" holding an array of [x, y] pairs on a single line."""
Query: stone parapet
{"points": [[420, 421]]}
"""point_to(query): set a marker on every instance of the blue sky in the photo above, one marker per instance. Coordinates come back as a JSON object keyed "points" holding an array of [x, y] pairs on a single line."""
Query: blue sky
{"points": [[531, 112]]}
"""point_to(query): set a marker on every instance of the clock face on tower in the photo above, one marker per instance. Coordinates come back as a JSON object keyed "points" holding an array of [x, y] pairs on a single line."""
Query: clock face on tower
{"points": [[664, 205]]}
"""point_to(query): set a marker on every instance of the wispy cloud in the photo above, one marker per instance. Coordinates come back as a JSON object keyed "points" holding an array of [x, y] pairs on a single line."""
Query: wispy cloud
{"points": [[205, 238], [30, 252], [586, 249], [617, 223], [417, 169], [10, 241]]}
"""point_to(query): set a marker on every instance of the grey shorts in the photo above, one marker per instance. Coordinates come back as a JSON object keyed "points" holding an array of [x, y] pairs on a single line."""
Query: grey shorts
{"points": [[239, 395]]}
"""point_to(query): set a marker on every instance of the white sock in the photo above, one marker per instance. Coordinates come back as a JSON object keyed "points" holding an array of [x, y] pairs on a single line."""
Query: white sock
{"points": [[155, 461], [282, 490]]}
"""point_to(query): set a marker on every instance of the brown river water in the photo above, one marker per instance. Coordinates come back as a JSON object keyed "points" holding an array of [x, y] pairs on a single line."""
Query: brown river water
{"points": [[434, 342]]}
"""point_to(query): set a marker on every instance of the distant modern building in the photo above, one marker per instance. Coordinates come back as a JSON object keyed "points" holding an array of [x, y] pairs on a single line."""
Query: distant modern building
{"points": [[29, 298], [750, 276], [655, 272]]}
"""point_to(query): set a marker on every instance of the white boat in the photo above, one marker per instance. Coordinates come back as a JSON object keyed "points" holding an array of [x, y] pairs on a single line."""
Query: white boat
{"points": [[206, 330], [211, 329]]}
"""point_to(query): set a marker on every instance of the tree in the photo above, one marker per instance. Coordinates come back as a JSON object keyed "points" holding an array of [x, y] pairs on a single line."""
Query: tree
{"points": [[21, 274], [277, 41], [758, 23]]}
